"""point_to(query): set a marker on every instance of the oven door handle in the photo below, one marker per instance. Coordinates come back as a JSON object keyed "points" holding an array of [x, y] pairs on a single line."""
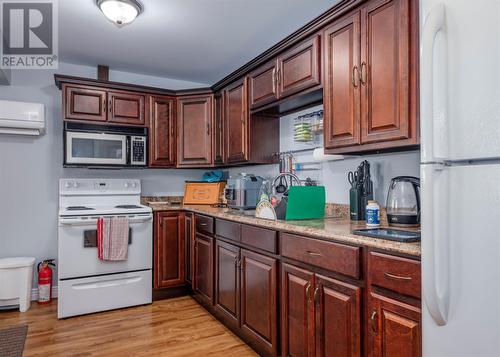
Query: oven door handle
{"points": [[86, 222]]}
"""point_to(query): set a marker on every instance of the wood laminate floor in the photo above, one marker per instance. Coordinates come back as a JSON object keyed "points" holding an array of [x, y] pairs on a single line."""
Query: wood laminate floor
{"points": [[174, 327]]}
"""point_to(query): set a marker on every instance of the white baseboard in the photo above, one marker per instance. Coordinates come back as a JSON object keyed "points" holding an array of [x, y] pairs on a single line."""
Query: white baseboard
{"points": [[34, 293]]}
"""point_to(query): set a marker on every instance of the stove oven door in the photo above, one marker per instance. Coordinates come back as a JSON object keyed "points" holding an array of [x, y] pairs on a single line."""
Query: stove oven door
{"points": [[77, 248]]}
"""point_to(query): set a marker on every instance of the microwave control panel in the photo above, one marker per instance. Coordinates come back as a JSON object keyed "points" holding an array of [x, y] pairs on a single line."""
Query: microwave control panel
{"points": [[138, 150]]}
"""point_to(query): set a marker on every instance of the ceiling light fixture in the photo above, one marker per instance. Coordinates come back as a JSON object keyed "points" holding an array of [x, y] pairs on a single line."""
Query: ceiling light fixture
{"points": [[120, 12]]}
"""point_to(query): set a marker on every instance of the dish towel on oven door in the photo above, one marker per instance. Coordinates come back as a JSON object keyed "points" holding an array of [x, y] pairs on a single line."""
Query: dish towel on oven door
{"points": [[112, 238]]}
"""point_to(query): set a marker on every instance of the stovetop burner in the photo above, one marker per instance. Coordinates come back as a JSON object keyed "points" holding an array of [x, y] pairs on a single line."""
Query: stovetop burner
{"points": [[128, 206], [79, 208]]}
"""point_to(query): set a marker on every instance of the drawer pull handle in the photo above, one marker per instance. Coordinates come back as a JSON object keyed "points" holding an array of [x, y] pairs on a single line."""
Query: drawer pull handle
{"points": [[372, 322], [397, 277], [314, 254], [203, 224]]}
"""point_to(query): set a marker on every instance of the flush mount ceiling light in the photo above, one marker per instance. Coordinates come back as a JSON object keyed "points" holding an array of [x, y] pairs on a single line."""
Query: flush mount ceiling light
{"points": [[120, 12]]}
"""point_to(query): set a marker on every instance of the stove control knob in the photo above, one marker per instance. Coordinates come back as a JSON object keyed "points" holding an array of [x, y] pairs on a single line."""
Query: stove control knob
{"points": [[75, 184], [134, 184], [68, 184], [127, 185]]}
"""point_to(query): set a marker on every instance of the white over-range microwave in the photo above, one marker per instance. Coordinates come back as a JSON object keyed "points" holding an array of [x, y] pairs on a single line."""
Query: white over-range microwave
{"points": [[100, 145]]}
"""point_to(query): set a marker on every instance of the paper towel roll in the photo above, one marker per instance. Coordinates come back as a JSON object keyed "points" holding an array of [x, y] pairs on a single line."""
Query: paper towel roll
{"points": [[320, 156]]}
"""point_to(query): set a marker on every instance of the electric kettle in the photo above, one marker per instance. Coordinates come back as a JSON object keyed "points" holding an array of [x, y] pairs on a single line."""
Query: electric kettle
{"points": [[403, 202]]}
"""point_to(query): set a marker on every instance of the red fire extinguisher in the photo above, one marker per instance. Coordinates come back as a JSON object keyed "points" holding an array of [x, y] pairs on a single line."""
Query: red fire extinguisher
{"points": [[45, 281]]}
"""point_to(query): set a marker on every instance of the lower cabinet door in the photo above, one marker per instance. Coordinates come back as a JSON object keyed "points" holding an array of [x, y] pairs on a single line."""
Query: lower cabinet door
{"points": [[259, 300], [203, 257], [189, 241], [394, 328], [297, 312], [338, 318], [169, 250], [227, 296]]}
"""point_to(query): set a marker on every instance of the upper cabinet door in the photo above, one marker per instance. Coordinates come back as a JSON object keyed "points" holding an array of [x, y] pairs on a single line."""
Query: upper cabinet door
{"points": [[85, 103], [342, 83], [236, 121], [219, 129], [262, 84], [299, 68], [385, 67], [126, 108], [162, 131], [194, 131]]}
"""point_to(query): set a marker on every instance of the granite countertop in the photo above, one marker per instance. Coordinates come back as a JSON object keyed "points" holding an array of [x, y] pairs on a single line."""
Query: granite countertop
{"points": [[332, 228]]}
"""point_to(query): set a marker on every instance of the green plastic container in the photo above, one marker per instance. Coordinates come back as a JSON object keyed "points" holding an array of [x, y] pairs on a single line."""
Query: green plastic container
{"points": [[306, 202]]}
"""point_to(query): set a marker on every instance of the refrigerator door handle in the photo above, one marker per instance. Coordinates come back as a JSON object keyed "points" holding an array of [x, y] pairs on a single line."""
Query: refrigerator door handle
{"points": [[435, 247], [433, 126]]}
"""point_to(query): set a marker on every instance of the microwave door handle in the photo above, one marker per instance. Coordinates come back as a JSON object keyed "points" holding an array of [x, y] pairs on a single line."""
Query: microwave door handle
{"points": [[129, 150]]}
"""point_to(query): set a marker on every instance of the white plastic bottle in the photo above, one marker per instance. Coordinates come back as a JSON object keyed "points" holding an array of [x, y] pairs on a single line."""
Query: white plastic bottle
{"points": [[372, 214]]}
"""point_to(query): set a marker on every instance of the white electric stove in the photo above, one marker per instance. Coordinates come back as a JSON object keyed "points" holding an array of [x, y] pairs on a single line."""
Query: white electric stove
{"points": [[87, 284]]}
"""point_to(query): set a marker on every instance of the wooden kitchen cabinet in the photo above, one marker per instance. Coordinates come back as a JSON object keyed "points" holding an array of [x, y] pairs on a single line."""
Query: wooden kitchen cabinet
{"points": [[236, 122], [297, 312], [338, 319], [394, 328], [385, 70], [87, 103], [168, 250], [262, 85], [227, 281], [162, 131], [321, 316], [341, 101], [218, 134], [126, 108], [194, 131], [189, 252], [203, 266], [295, 70], [84, 103], [259, 299], [300, 67], [370, 75]]}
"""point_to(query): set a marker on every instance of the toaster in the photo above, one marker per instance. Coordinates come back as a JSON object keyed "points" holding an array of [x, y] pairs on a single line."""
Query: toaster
{"points": [[242, 191]]}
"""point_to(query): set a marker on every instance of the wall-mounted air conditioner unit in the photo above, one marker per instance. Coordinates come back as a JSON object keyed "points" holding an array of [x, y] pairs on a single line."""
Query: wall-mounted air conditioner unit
{"points": [[22, 118]]}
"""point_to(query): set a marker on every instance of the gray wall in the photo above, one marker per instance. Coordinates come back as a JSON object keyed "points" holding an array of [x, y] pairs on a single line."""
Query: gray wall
{"points": [[30, 167], [333, 174]]}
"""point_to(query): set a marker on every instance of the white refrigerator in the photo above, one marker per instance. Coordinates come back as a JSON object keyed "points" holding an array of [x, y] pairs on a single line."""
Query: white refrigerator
{"points": [[460, 176]]}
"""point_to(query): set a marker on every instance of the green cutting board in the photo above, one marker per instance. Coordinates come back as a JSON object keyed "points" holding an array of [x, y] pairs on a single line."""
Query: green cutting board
{"points": [[306, 202]]}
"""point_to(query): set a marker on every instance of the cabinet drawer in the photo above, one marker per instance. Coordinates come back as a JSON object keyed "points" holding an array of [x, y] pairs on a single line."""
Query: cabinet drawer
{"points": [[261, 238], [336, 257], [204, 224], [227, 229], [395, 273]]}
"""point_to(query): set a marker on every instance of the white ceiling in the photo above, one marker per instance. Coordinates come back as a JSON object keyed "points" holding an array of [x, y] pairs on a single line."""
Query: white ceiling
{"points": [[193, 40]]}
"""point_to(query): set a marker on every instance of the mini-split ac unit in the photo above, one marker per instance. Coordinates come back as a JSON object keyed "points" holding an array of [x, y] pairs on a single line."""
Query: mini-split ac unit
{"points": [[22, 118]]}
